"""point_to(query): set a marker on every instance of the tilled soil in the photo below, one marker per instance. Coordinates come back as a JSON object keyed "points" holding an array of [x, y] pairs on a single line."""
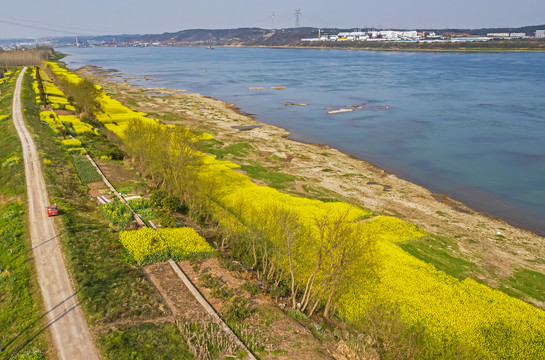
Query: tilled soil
{"points": [[178, 298]]}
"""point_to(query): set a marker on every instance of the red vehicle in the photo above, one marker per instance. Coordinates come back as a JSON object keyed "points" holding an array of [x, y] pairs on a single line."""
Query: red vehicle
{"points": [[52, 210]]}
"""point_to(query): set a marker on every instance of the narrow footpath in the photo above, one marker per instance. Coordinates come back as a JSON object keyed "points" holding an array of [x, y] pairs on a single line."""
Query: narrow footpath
{"points": [[65, 319]]}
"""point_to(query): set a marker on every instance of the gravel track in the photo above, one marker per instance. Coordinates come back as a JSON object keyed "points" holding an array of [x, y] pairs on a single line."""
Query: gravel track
{"points": [[69, 330]]}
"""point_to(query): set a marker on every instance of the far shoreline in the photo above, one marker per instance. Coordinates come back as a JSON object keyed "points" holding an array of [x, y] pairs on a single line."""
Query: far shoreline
{"points": [[460, 50]]}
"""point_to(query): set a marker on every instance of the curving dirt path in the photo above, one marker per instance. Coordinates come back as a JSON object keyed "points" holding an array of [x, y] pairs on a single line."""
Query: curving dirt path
{"points": [[64, 317]]}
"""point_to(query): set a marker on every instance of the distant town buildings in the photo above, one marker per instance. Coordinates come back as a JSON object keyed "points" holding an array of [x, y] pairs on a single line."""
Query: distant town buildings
{"points": [[412, 36], [540, 33]]}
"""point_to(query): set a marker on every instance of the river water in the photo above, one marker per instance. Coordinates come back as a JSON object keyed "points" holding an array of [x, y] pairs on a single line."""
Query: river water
{"points": [[468, 125]]}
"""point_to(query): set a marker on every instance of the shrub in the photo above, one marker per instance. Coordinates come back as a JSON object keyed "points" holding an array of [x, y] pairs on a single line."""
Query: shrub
{"points": [[157, 196], [297, 315], [165, 218], [160, 198]]}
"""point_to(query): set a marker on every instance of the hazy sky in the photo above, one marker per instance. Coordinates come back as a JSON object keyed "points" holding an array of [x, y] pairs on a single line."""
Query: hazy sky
{"points": [[101, 17]]}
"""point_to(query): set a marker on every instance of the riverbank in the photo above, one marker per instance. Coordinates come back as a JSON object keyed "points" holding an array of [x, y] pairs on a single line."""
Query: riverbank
{"points": [[495, 247], [460, 49]]}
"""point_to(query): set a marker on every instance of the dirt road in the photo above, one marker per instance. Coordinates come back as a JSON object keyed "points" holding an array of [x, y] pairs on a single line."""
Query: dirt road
{"points": [[69, 329]]}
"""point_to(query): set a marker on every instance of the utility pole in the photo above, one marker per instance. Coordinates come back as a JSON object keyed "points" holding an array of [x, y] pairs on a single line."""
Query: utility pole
{"points": [[272, 19], [297, 14]]}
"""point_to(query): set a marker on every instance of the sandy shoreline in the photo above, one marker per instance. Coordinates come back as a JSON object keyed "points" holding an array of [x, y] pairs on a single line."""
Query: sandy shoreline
{"points": [[494, 246]]}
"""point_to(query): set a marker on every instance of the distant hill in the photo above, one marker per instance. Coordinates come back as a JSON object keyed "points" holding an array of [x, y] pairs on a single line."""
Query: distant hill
{"points": [[241, 36], [284, 37], [251, 36]]}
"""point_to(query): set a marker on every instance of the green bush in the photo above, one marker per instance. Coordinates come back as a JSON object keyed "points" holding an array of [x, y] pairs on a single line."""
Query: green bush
{"points": [[160, 198], [227, 263], [157, 196], [165, 218], [280, 290]]}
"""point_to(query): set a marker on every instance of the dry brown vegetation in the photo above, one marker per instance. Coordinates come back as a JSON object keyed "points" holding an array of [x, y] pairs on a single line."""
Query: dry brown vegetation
{"points": [[33, 57]]}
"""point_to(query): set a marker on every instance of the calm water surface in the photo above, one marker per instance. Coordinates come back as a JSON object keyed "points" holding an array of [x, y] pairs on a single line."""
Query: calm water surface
{"points": [[471, 126]]}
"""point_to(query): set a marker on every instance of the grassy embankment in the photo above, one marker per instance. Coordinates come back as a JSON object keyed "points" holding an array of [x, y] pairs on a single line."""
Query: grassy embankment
{"points": [[21, 312], [124, 310]]}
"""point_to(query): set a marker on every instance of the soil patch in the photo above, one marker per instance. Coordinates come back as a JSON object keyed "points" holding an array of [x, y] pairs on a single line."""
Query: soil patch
{"points": [[178, 298], [116, 172]]}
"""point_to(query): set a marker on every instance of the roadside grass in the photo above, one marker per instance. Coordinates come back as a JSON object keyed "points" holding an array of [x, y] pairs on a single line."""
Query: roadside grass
{"points": [[524, 283], [20, 302], [271, 176], [438, 250], [12, 176], [21, 309], [108, 287], [145, 341]]}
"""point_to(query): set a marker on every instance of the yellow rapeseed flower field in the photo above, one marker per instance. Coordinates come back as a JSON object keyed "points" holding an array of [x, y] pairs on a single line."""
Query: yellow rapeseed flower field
{"points": [[148, 246]]}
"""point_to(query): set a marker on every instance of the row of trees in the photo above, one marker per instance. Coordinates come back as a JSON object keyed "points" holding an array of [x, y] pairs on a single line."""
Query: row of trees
{"points": [[165, 155], [82, 94], [317, 257], [314, 258]]}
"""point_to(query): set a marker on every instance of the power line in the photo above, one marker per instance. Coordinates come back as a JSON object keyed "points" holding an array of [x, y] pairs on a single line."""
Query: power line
{"points": [[48, 24], [39, 27]]}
